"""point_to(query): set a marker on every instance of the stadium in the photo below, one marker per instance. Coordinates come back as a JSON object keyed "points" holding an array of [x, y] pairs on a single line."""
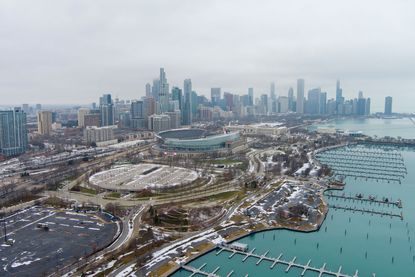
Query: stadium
{"points": [[197, 141]]}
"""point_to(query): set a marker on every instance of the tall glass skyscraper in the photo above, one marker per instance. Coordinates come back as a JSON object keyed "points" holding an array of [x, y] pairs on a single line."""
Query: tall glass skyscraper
{"points": [[187, 109], [300, 96], [106, 108], [13, 132]]}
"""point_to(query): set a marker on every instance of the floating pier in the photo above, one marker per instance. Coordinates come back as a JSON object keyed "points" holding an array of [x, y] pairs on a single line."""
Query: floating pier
{"points": [[365, 163], [362, 199], [290, 264], [373, 212]]}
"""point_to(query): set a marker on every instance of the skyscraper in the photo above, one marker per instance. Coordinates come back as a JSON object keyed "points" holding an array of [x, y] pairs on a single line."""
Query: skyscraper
{"points": [[177, 95], [339, 98], [367, 109], [300, 96], [44, 122], [187, 109], [215, 95], [313, 101], [251, 96], [291, 99], [264, 103], [323, 102], [163, 92], [388, 105], [81, 117], [106, 109], [137, 115], [148, 90], [13, 132], [272, 94]]}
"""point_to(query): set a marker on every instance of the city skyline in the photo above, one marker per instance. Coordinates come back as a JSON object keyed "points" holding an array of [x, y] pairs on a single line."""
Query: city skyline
{"points": [[283, 44]]}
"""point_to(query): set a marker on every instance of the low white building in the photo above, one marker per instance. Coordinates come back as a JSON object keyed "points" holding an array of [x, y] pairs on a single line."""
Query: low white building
{"points": [[99, 134], [259, 129]]}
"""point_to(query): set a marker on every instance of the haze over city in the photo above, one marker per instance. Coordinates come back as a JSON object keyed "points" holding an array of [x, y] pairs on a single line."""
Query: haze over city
{"points": [[73, 51]]}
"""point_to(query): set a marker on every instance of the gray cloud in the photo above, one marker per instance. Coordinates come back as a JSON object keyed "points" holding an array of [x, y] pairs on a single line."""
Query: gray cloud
{"points": [[73, 51]]}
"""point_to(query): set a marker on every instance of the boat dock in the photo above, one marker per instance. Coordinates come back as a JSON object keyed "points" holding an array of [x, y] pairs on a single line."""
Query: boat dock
{"points": [[362, 199], [275, 261], [372, 212]]}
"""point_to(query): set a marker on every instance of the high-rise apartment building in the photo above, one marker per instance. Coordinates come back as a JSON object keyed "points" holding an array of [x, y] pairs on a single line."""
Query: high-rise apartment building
{"points": [[300, 96], [13, 132], [82, 112], [215, 96], [251, 96], [388, 105], [44, 122], [187, 109], [106, 108], [148, 90]]}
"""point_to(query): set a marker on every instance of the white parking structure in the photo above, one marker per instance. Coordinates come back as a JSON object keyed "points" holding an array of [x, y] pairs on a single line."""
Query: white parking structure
{"points": [[142, 176]]}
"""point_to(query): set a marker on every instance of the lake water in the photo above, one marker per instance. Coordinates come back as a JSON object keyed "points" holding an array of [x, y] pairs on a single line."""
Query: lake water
{"points": [[402, 127], [365, 242]]}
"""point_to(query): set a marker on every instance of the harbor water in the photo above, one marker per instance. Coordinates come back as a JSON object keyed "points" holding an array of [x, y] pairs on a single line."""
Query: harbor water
{"points": [[370, 242]]}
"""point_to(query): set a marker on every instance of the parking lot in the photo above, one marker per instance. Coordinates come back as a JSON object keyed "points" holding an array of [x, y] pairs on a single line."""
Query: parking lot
{"points": [[37, 251]]}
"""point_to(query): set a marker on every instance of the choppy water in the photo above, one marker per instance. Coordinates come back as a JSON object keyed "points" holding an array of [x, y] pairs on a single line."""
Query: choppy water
{"points": [[364, 242]]}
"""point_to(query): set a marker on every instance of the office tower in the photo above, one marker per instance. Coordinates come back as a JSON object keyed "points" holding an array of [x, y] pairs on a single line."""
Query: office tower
{"points": [[313, 101], [264, 103], [137, 109], [251, 96], [187, 109], [92, 119], [163, 92], [177, 95], [228, 99], [339, 98], [155, 89], [300, 96], [205, 113], [272, 94], [175, 119], [137, 119], [195, 103], [106, 108], [13, 132], [159, 122], [361, 106], [44, 122], [339, 92], [38, 107], [388, 105], [26, 108], [323, 103], [215, 96], [360, 94], [81, 117], [367, 109], [331, 106], [291, 99], [148, 90], [149, 106], [283, 104]]}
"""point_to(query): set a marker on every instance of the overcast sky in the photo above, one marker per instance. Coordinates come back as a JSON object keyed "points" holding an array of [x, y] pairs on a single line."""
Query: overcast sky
{"points": [[56, 52]]}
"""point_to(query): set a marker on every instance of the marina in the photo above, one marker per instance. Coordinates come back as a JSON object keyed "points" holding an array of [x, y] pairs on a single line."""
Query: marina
{"points": [[374, 204]]}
